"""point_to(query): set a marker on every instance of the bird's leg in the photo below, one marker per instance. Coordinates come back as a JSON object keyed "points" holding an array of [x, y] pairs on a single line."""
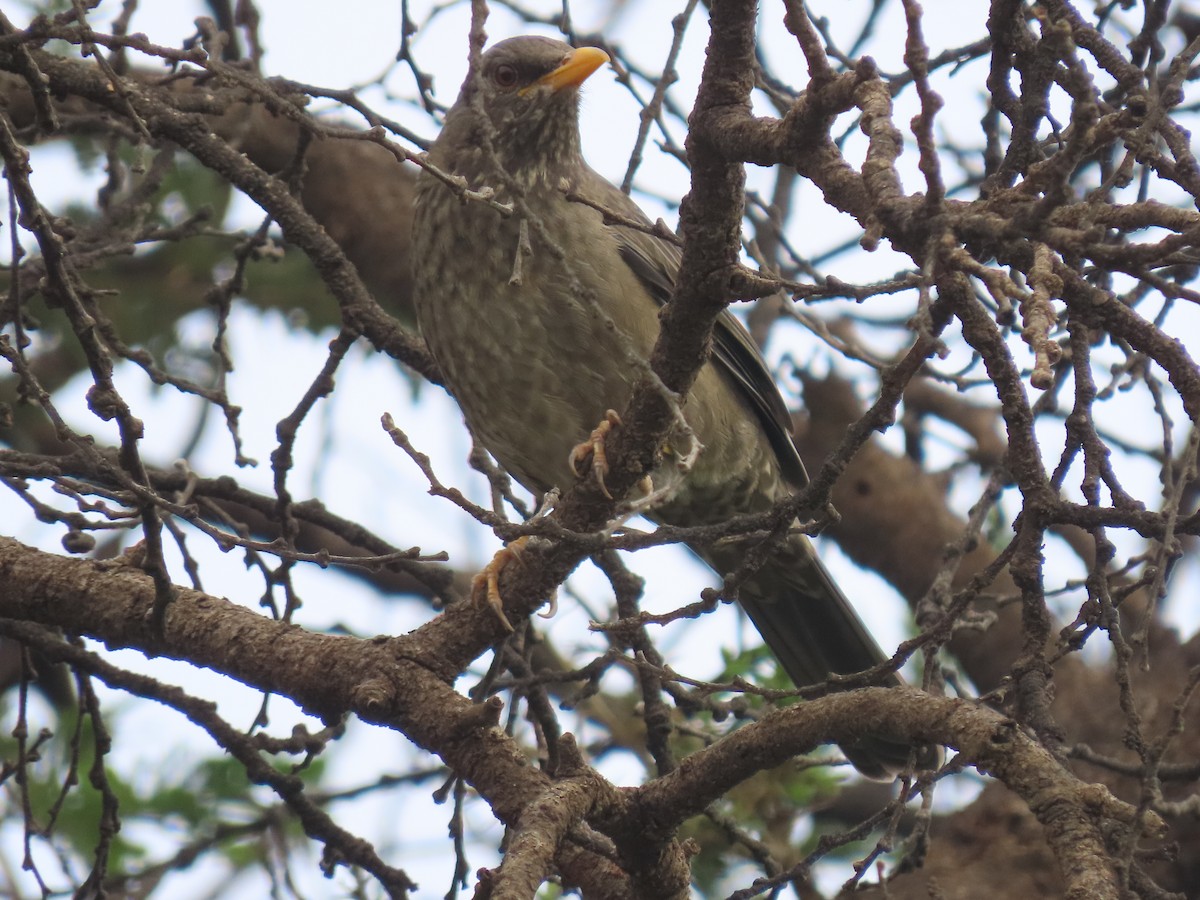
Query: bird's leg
{"points": [[594, 447], [485, 586]]}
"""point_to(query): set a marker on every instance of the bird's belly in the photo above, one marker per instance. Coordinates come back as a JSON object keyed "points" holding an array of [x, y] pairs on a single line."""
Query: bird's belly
{"points": [[530, 408], [534, 372], [535, 365]]}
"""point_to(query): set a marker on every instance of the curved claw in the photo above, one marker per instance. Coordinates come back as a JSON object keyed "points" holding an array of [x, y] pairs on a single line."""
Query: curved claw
{"points": [[594, 447], [485, 586]]}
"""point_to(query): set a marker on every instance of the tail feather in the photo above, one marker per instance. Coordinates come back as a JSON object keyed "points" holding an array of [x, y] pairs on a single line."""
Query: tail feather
{"points": [[813, 631]]}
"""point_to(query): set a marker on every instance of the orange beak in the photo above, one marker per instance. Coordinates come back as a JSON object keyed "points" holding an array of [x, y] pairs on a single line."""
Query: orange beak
{"points": [[574, 71]]}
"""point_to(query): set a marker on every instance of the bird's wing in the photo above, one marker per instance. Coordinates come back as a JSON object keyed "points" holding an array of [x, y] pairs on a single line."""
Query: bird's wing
{"points": [[656, 264]]}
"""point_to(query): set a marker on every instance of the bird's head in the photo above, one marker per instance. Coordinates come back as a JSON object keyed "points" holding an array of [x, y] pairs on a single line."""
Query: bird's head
{"points": [[527, 90]]}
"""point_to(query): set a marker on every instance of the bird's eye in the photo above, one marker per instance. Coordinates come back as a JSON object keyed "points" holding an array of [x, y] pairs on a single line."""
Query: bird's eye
{"points": [[505, 76]]}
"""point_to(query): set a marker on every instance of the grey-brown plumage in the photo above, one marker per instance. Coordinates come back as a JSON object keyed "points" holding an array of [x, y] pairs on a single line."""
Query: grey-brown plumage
{"points": [[536, 348]]}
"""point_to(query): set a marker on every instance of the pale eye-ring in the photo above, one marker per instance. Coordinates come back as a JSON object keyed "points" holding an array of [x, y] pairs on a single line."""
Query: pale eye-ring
{"points": [[505, 76]]}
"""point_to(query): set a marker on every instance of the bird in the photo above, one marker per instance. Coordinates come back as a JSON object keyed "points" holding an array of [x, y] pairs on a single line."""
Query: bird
{"points": [[542, 320]]}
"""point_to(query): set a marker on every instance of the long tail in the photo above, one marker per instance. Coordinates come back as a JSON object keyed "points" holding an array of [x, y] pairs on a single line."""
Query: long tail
{"points": [[814, 632]]}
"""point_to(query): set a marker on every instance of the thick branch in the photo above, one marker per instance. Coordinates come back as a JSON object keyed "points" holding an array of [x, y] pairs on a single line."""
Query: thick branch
{"points": [[400, 683]]}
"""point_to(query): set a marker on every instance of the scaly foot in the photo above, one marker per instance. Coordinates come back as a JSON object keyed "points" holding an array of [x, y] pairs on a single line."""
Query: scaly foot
{"points": [[485, 587], [594, 447]]}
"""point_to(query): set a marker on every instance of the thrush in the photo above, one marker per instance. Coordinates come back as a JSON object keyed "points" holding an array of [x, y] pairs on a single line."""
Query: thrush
{"points": [[542, 321]]}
